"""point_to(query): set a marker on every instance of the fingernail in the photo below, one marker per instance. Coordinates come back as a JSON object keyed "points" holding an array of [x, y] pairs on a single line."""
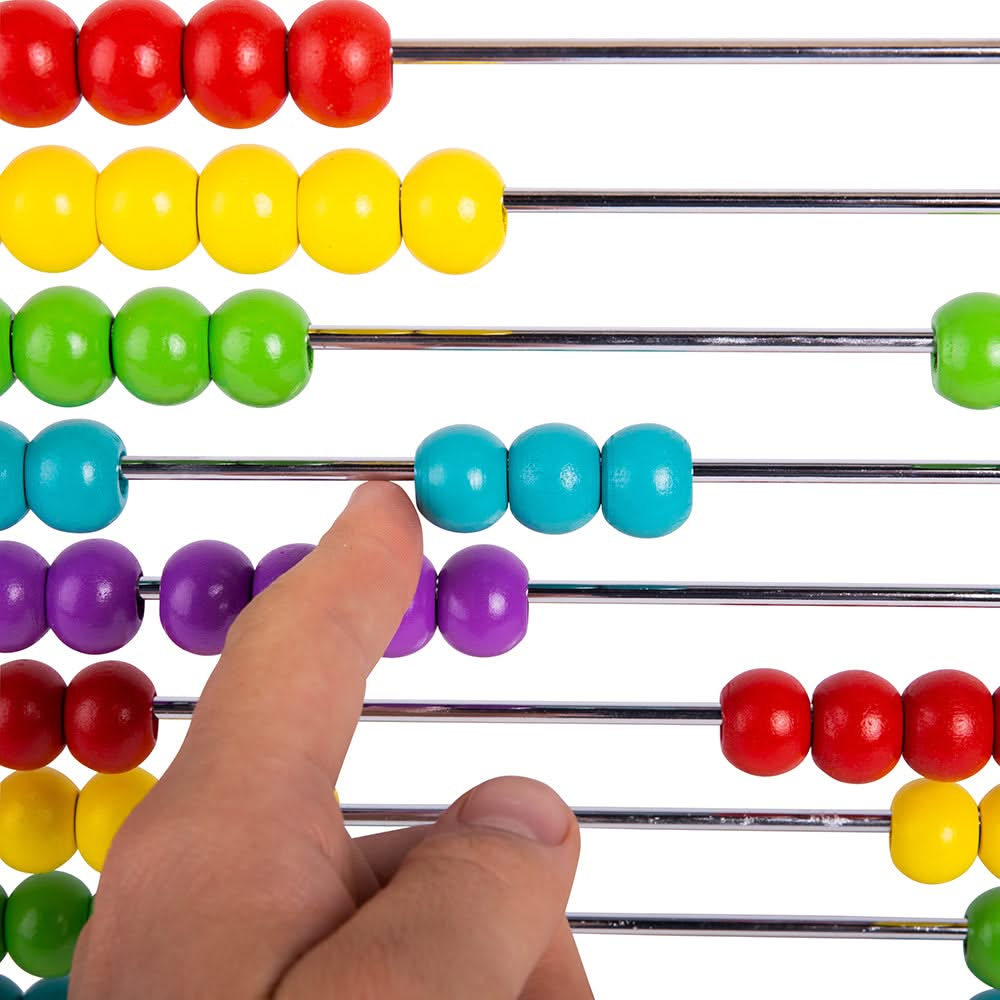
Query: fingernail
{"points": [[519, 806]]}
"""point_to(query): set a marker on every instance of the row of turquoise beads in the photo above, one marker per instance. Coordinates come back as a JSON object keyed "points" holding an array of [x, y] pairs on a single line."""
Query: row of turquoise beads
{"points": [[164, 346], [555, 479]]}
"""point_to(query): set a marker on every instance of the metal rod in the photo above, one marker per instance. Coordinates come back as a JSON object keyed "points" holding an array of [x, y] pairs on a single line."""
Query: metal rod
{"points": [[625, 51], [328, 338]]}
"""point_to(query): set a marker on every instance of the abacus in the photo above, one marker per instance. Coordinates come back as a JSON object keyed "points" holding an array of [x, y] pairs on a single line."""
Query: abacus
{"points": [[250, 210]]}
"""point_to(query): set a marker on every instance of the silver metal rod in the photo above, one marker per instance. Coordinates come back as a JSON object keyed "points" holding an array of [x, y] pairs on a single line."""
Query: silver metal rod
{"points": [[683, 925], [833, 202], [697, 51], [326, 338], [922, 473], [344, 470]]}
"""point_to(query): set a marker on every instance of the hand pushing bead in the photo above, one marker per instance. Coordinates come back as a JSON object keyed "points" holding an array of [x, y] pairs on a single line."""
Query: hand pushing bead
{"points": [[13, 503], [37, 810], [483, 601], [420, 620], [22, 597], [966, 358], [105, 802], [31, 715], [277, 563]]}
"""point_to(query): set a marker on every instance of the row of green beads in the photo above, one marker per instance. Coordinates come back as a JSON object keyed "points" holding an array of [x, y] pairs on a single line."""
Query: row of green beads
{"points": [[164, 346]]}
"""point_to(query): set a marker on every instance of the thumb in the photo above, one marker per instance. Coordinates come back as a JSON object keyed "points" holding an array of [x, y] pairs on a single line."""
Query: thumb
{"points": [[471, 911]]}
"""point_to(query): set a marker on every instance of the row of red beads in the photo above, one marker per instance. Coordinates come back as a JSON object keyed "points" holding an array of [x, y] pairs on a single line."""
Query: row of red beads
{"points": [[859, 726], [134, 60]]}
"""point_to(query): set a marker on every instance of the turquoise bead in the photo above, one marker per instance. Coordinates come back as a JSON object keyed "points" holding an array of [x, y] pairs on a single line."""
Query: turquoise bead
{"points": [[13, 505], [988, 995], [646, 480], [9, 990], [49, 989], [461, 478], [72, 476], [554, 478]]}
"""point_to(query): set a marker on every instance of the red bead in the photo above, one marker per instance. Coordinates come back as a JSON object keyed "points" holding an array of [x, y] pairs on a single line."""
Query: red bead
{"points": [[340, 63], [31, 715], [235, 68], [948, 725], [37, 63], [766, 722], [857, 732], [129, 60], [109, 720]]}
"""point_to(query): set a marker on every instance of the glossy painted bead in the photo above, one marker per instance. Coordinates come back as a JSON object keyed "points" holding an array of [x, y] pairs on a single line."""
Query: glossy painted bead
{"points": [[857, 733], [31, 715], [949, 725], [47, 218], [109, 719], [234, 62], [247, 209], [72, 476], [204, 587], [989, 833], [647, 479], [420, 620], [461, 478], [38, 84], [965, 364], [106, 801], [259, 348], [147, 208], [6, 362], [554, 478], [766, 722], [42, 921], [340, 63], [159, 346], [22, 597], [982, 940], [9, 990], [129, 60], [452, 211], [483, 601], [37, 810], [60, 343], [91, 596], [13, 503], [49, 989], [934, 835], [349, 211], [277, 563]]}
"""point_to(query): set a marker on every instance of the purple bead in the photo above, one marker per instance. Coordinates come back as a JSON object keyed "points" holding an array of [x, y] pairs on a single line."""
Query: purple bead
{"points": [[420, 621], [483, 601], [204, 587], [91, 596], [22, 597], [278, 563]]}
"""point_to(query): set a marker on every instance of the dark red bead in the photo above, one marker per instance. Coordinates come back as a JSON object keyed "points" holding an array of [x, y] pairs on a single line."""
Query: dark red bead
{"points": [[38, 84], [857, 732], [109, 720], [340, 63], [31, 715], [129, 60], [235, 69], [948, 725], [766, 722]]}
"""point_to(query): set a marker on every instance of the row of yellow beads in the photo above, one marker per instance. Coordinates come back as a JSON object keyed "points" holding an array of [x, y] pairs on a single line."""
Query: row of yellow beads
{"points": [[251, 210]]}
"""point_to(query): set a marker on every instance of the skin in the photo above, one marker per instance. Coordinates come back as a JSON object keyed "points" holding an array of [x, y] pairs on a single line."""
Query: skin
{"points": [[236, 877]]}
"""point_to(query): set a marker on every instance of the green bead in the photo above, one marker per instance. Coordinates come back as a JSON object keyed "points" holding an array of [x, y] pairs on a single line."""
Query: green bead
{"points": [[259, 348], [6, 361], [982, 942], [3, 908], [965, 364], [61, 346], [42, 921], [159, 345]]}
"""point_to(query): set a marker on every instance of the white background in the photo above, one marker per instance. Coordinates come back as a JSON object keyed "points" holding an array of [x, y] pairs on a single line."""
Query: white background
{"points": [[891, 127]]}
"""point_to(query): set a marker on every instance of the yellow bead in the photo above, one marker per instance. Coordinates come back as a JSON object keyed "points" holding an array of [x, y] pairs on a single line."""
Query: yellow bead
{"points": [[106, 801], [47, 217], [36, 820], [989, 834], [147, 208], [349, 211], [247, 209], [453, 214], [934, 834]]}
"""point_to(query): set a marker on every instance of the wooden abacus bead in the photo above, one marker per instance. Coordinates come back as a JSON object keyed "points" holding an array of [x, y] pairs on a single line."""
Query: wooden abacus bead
{"points": [[105, 802], [966, 348], [13, 445], [38, 81], [766, 722], [129, 60], [949, 725], [22, 597], [49, 989], [857, 733], [989, 838], [32, 695], [277, 563], [9, 990], [37, 810], [420, 620], [109, 719]]}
